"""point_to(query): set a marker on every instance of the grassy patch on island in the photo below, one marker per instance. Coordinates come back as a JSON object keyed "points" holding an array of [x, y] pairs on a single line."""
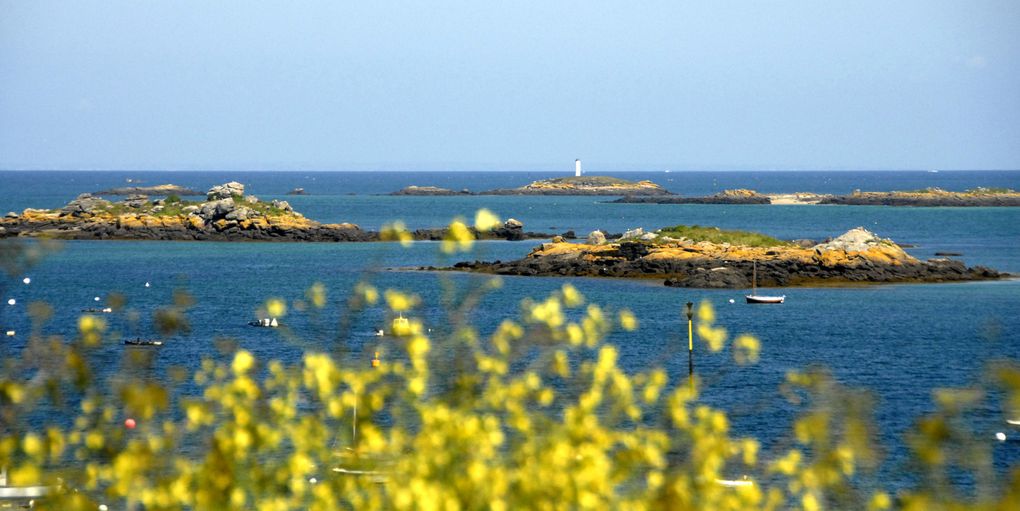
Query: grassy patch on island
{"points": [[698, 233]]}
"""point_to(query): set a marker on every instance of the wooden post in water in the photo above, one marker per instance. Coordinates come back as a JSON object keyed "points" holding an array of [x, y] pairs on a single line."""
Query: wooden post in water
{"points": [[689, 310]]}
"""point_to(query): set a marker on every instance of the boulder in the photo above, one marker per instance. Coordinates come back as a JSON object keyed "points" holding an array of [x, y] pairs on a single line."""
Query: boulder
{"points": [[225, 191], [633, 233], [215, 210], [282, 204], [85, 204], [136, 201], [11, 214], [648, 236], [857, 239], [240, 213], [513, 223], [190, 209], [251, 199], [596, 238]]}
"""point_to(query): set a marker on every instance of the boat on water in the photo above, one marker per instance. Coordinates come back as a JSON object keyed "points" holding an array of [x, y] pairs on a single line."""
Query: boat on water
{"points": [[142, 342], [265, 322], [754, 297]]}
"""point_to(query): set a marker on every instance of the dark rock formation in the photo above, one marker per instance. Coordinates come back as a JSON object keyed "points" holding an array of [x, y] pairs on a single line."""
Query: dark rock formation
{"points": [[724, 197], [430, 190]]}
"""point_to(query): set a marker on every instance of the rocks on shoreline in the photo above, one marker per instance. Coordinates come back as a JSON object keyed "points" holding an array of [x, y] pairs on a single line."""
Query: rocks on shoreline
{"points": [[857, 256], [227, 215]]}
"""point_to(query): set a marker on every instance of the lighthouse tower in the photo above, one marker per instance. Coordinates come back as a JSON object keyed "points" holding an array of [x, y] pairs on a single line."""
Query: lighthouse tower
{"points": [[577, 168]]}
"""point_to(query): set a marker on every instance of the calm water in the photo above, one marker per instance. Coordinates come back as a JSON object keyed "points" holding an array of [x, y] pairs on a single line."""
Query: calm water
{"points": [[900, 342]]}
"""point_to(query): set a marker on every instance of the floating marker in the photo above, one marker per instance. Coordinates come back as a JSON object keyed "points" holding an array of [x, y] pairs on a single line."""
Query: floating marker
{"points": [[96, 298], [26, 280], [146, 284], [313, 480], [130, 423], [10, 333], [12, 301], [102, 507], [1000, 436], [732, 300]]}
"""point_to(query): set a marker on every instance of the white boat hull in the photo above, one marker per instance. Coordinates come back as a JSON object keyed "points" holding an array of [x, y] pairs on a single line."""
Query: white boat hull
{"points": [[764, 299]]}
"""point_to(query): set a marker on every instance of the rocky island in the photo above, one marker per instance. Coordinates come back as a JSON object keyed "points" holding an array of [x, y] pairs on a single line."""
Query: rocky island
{"points": [[227, 214], [934, 197], [575, 185], [684, 256], [739, 196], [978, 197], [161, 190], [429, 191]]}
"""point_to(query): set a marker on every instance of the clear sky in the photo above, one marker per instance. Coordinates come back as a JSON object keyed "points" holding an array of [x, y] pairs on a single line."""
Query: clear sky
{"points": [[436, 85]]}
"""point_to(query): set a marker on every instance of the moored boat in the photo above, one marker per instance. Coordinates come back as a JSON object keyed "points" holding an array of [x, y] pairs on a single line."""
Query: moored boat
{"points": [[754, 297], [142, 342]]}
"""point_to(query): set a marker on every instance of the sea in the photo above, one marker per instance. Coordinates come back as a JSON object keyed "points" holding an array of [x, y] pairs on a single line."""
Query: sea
{"points": [[898, 343]]}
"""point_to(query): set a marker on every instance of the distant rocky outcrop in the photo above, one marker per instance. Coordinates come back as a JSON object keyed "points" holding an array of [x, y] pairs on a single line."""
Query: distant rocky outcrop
{"points": [[430, 190], [163, 190], [932, 197], [584, 185], [227, 215], [739, 196], [857, 256]]}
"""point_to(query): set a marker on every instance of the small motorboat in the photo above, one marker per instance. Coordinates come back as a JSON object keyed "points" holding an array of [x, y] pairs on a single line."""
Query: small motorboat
{"points": [[142, 342], [265, 323], [93, 309], [754, 297]]}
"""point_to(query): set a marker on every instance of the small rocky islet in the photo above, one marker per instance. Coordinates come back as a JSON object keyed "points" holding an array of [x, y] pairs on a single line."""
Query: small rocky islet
{"points": [[573, 185], [929, 197], [703, 261], [227, 214]]}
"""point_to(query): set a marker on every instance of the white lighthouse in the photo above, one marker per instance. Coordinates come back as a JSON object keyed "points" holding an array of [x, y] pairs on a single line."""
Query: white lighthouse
{"points": [[577, 168]]}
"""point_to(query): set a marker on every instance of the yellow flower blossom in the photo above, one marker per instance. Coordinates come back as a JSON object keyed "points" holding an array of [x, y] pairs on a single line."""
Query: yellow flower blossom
{"points": [[486, 220]]}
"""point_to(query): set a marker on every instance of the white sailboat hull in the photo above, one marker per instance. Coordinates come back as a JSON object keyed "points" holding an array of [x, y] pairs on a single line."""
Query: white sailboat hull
{"points": [[764, 299]]}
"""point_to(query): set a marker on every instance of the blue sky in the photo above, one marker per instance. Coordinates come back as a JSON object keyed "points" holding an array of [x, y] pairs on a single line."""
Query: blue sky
{"points": [[520, 85]]}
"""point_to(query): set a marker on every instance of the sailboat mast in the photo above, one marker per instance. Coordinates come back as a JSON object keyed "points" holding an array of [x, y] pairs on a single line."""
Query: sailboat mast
{"points": [[754, 277]]}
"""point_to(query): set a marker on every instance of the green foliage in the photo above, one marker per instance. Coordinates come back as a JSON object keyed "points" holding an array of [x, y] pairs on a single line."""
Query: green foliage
{"points": [[172, 199], [698, 233]]}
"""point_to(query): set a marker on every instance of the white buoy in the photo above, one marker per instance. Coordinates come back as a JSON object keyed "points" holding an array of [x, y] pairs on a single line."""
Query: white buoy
{"points": [[10, 333], [1000, 436], [96, 298], [732, 300], [379, 333], [12, 301], [102, 507], [313, 480], [26, 280], [146, 284]]}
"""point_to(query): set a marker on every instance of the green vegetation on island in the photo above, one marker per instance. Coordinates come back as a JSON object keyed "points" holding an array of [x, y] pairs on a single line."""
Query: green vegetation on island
{"points": [[697, 233]]}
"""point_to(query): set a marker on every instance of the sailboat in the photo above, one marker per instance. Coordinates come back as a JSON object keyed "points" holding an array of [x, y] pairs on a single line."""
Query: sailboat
{"points": [[754, 297]]}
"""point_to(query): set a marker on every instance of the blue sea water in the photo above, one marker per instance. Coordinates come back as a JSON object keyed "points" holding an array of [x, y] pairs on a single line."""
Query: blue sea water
{"points": [[900, 342]]}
